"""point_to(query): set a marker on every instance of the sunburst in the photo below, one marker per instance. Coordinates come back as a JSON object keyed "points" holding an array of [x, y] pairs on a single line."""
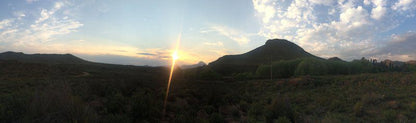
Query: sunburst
{"points": [[175, 57]]}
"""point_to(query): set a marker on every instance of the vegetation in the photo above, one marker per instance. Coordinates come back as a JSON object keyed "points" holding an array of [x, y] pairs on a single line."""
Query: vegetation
{"points": [[316, 66], [65, 93]]}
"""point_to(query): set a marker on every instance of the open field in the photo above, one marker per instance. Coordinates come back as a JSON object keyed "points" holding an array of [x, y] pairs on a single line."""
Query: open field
{"points": [[135, 94]]}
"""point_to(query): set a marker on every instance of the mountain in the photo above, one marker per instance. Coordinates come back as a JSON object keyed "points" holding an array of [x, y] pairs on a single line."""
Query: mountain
{"points": [[335, 59], [199, 64], [42, 58], [272, 50], [411, 62]]}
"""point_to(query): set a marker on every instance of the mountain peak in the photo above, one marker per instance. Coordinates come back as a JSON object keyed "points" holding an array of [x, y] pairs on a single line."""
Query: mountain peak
{"points": [[199, 64], [276, 41], [272, 50]]}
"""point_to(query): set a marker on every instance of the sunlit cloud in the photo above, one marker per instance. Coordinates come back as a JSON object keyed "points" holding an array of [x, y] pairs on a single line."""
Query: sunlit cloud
{"points": [[235, 35], [219, 43], [349, 30]]}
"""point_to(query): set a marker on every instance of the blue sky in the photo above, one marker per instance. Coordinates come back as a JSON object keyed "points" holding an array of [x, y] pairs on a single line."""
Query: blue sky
{"points": [[144, 32]]}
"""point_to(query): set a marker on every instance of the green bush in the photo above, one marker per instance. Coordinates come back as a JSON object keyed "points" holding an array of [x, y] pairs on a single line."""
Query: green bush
{"points": [[312, 66], [359, 109]]}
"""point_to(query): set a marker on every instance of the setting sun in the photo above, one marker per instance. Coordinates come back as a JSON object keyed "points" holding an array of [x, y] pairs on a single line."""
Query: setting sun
{"points": [[175, 55]]}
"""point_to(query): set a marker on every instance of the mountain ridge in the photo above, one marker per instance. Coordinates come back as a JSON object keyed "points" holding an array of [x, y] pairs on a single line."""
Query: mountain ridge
{"points": [[42, 58], [272, 50]]}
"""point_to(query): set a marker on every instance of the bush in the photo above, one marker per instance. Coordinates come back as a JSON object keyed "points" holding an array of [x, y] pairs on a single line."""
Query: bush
{"points": [[280, 107], [282, 120], [244, 76], [280, 69], [312, 66], [359, 109], [216, 118], [209, 74]]}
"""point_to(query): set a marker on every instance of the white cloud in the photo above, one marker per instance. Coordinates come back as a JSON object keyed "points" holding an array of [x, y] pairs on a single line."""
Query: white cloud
{"points": [[235, 35], [265, 9], [45, 14], [6, 22], [404, 5], [367, 2], [379, 8], [31, 1], [348, 29], [323, 2], [46, 28], [378, 12], [219, 43]]}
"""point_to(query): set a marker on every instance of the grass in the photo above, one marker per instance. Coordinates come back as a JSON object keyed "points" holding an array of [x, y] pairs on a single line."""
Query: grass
{"points": [[135, 94]]}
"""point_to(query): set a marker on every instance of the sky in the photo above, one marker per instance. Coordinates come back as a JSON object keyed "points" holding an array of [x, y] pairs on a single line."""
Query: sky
{"points": [[144, 32]]}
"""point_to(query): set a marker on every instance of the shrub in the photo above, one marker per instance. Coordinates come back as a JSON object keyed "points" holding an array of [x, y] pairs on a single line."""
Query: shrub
{"points": [[359, 109], [311, 66], [280, 107], [209, 74], [282, 120], [216, 118], [413, 106], [244, 76]]}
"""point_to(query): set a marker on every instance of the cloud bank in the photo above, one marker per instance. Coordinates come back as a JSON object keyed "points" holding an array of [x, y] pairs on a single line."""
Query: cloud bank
{"points": [[345, 28]]}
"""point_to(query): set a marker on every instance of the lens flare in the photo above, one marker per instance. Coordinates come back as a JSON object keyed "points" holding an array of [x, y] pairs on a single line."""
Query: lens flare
{"points": [[174, 58]]}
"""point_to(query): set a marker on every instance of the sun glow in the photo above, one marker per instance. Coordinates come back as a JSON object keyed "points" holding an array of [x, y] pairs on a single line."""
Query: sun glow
{"points": [[174, 58], [175, 55]]}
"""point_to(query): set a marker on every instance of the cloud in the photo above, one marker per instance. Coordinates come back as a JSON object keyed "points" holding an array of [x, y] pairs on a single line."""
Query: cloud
{"points": [[219, 43], [379, 8], [19, 14], [404, 5], [31, 1], [400, 46], [45, 14], [265, 9], [5, 23], [120, 59], [397, 47], [323, 2], [147, 54], [346, 28], [235, 35], [43, 29]]}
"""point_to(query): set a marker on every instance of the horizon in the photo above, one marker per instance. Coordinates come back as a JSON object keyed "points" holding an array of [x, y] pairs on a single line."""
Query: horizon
{"points": [[144, 32]]}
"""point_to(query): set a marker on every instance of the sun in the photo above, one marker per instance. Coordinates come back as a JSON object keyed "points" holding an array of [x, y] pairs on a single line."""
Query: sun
{"points": [[175, 55]]}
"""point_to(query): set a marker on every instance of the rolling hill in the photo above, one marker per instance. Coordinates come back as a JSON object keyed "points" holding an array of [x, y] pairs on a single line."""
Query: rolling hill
{"points": [[272, 50], [42, 58]]}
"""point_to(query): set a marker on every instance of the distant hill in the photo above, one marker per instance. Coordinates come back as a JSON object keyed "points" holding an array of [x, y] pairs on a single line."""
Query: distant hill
{"points": [[272, 50], [411, 62], [335, 59], [42, 58], [199, 64]]}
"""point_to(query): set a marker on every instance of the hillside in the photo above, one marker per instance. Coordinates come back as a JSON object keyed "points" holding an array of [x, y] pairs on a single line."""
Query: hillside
{"points": [[272, 50], [42, 58], [199, 64]]}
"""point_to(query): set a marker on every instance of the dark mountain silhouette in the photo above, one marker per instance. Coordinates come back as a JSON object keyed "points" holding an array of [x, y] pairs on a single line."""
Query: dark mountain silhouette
{"points": [[42, 58], [411, 62], [273, 50], [199, 64], [335, 59]]}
